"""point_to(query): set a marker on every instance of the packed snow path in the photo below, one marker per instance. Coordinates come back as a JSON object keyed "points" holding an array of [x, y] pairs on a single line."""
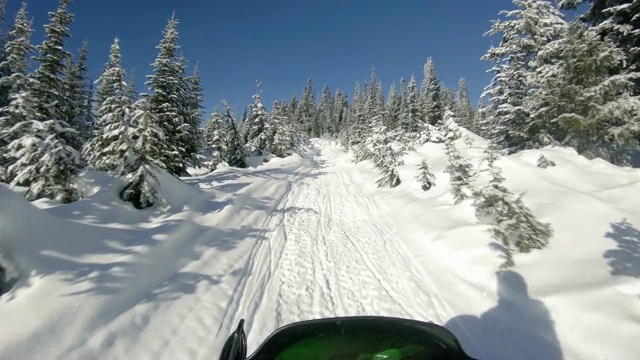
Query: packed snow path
{"points": [[329, 252], [287, 242]]}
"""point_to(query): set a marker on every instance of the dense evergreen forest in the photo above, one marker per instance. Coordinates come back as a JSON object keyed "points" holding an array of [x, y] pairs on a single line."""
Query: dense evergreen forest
{"points": [[555, 82]]}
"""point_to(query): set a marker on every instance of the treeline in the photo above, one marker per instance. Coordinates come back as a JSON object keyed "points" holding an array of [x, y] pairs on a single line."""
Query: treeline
{"points": [[53, 124]]}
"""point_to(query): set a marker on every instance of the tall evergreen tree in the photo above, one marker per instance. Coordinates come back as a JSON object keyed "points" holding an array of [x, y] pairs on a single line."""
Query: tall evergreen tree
{"points": [[282, 136], [340, 109], [393, 108], [325, 112], [433, 110], [17, 81], [76, 95], [4, 70], [524, 32], [111, 149], [166, 86], [307, 109], [191, 115], [576, 101], [45, 161], [48, 89], [146, 141], [463, 107], [257, 127], [214, 132], [235, 155], [412, 117]]}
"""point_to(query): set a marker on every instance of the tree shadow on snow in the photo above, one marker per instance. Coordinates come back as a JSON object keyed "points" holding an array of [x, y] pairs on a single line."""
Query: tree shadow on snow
{"points": [[518, 327], [625, 259]]}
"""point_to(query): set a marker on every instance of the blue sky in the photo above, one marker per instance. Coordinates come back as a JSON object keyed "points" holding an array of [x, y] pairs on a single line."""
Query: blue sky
{"points": [[283, 42]]}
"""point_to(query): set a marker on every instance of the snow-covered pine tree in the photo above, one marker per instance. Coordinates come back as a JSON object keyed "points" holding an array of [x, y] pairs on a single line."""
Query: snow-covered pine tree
{"points": [[463, 108], [282, 136], [4, 71], [450, 130], [306, 110], [411, 118], [357, 130], [111, 148], [524, 32], [468, 141], [433, 110], [76, 95], [257, 127], [325, 112], [45, 162], [379, 148], [235, 154], [616, 20], [460, 173], [340, 108], [147, 145], [191, 109], [544, 163], [576, 101], [214, 133], [166, 87], [393, 108], [51, 59], [17, 50], [513, 223], [425, 176]]}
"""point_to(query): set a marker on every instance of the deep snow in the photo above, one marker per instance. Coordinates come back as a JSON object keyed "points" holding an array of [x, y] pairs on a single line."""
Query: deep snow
{"points": [[312, 236]]}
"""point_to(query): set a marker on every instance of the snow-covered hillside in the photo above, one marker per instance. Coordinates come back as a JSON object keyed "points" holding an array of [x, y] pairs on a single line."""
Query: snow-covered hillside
{"points": [[307, 237]]}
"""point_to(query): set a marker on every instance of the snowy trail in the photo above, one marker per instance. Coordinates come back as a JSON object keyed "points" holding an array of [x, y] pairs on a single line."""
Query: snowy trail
{"points": [[331, 254], [307, 243]]}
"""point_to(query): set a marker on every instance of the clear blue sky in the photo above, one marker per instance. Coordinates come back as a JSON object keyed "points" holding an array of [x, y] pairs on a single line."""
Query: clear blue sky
{"points": [[283, 42]]}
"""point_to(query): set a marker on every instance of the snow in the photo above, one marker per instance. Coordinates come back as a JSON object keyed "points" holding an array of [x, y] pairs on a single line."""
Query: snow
{"points": [[312, 236]]}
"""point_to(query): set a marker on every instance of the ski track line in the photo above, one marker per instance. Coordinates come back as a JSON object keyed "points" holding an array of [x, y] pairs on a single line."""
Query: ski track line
{"points": [[338, 258]]}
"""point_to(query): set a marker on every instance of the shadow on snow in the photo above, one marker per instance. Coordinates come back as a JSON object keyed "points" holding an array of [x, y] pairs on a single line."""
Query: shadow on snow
{"points": [[518, 327], [625, 259]]}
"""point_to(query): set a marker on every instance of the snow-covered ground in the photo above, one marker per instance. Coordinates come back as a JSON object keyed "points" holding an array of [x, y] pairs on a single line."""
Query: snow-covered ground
{"points": [[307, 237]]}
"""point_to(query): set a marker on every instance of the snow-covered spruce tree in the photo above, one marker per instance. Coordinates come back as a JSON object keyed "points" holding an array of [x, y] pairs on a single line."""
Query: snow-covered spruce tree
{"points": [[167, 89], [514, 225], [393, 108], [306, 111], [356, 130], [282, 137], [111, 148], [77, 94], [616, 20], [524, 32], [411, 118], [379, 148], [324, 116], [214, 133], [468, 141], [17, 50], [45, 161], [191, 110], [460, 173], [450, 130], [47, 89], [576, 101], [463, 108], [146, 145], [433, 110], [4, 71], [257, 127], [544, 163], [235, 154], [340, 109], [425, 176]]}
